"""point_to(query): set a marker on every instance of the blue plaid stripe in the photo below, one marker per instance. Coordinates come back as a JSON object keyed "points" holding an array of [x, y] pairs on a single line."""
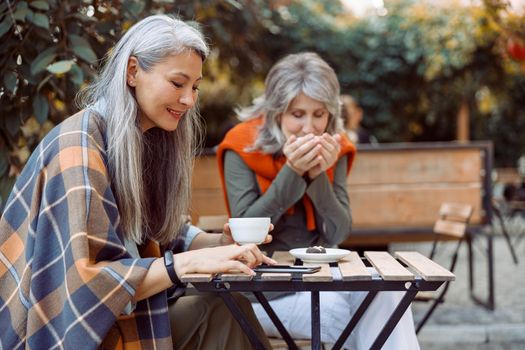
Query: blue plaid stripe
{"points": [[120, 280], [15, 276]]}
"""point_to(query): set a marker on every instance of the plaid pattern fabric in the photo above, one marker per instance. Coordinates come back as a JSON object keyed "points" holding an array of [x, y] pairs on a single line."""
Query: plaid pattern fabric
{"points": [[65, 275]]}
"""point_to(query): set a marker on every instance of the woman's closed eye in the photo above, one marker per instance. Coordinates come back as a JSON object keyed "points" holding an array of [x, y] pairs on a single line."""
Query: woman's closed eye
{"points": [[181, 85], [320, 114]]}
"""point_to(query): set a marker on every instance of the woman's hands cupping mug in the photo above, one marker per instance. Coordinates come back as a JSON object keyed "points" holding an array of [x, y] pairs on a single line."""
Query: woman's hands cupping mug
{"points": [[312, 154]]}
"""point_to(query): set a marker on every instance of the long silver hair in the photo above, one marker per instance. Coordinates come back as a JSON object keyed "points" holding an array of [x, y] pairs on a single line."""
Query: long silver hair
{"points": [[304, 72], [151, 172]]}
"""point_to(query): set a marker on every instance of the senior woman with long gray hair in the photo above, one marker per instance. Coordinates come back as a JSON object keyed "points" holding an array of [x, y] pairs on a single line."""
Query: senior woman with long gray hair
{"points": [[89, 232], [289, 160]]}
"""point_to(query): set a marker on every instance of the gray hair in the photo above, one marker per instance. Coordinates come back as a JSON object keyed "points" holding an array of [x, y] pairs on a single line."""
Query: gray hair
{"points": [[153, 204], [303, 72]]}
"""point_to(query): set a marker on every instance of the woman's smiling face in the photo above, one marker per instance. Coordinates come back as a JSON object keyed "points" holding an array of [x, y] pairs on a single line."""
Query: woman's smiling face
{"points": [[167, 91]]}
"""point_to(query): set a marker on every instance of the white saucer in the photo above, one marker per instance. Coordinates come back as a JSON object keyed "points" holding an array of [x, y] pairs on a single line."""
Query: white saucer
{"points": [[331, 255]]}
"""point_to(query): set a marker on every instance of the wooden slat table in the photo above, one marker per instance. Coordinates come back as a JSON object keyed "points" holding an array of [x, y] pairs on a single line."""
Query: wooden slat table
{"points": [[409, 272]]}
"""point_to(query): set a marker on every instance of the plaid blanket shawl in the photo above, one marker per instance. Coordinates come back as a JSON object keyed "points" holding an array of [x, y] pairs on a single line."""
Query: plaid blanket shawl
{"points": [[65, 274]]}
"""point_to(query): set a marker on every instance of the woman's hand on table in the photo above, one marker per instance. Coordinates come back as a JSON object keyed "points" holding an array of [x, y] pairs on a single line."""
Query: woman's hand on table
{"points": [[221, 259]]}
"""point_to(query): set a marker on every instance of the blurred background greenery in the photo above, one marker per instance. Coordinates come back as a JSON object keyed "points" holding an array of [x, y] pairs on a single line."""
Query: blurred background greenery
{"points": [[413, 65]]}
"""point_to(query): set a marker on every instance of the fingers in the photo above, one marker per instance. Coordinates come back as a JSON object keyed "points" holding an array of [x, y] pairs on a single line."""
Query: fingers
{"points": [[331, 143], [308, 152], [328, 155], [293, 143], [268, 238], [260, 258], [248, 259], [257, 254], [249, 254], [305, 147], [330, 150], [229, 258], [269, 261], [235, 265], [308, 159], [226, 237], [290, 140]]}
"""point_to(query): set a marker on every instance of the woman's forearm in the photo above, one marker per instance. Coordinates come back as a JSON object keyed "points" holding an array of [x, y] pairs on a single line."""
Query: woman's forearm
{"points": [[207, 240], [157, 278], [155, 281]]}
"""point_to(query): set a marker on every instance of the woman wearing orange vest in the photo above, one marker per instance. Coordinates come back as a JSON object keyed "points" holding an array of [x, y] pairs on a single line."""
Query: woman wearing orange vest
{"points": [[289, 160]]}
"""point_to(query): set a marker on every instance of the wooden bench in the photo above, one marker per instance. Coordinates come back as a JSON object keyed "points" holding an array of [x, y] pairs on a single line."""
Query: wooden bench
{"points": [[395, 190]]}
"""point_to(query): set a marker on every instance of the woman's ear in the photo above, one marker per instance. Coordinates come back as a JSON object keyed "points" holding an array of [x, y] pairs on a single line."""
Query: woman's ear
{"points": [[132, 70], [278, 118]]}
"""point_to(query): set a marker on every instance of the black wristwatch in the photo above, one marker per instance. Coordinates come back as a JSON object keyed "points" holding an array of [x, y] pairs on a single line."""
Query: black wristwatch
{"points": [[170, 267]]}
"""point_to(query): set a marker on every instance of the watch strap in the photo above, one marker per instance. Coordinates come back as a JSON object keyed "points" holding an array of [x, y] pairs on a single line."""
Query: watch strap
{"points": [[170, 267]]}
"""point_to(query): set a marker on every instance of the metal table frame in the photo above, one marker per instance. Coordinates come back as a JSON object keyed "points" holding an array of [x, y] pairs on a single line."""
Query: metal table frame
{"points": [[296, 284]]}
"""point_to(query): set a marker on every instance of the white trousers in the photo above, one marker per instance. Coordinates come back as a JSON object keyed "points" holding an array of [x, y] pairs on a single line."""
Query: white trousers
{"points": [[336, 310]]}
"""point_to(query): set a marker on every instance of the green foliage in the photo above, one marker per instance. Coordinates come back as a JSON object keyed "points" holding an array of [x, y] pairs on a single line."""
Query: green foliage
{"points": [[413, 68], [410, 69], [50, 49]]}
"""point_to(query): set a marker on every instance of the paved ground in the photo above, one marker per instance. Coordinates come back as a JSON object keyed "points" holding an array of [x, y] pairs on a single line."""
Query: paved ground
{"points": [[459, 322]]}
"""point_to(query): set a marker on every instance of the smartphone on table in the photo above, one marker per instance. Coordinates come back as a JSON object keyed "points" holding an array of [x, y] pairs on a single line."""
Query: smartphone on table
{"points": [[286, 268]]}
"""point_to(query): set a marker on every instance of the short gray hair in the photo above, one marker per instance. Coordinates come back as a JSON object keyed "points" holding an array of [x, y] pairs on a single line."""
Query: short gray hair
{"points": [[150, 40], [304, 72]]}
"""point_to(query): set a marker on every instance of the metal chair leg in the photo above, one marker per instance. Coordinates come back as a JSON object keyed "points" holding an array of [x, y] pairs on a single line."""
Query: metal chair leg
{"points": [[434, 246], [490, 302], [505, 233]]}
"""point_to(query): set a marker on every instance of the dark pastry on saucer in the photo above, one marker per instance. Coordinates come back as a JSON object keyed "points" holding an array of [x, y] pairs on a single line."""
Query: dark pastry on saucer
{"points": [[316, 250]]}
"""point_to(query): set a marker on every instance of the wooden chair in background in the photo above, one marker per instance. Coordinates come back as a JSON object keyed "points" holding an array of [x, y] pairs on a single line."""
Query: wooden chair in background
{"points": [[452, 224]]}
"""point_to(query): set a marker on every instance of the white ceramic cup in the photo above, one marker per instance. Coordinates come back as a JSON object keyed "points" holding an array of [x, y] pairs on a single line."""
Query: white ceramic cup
{"points": [[249, 230]]}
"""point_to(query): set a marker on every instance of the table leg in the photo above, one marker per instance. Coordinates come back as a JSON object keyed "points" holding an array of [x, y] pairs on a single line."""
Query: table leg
{"points": [[394, 318], [276, 321], [243, 322], [354, 320], [316, 321]]}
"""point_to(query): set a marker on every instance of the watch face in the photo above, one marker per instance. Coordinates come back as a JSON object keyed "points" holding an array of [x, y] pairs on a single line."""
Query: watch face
{"points": [[168, 258]]}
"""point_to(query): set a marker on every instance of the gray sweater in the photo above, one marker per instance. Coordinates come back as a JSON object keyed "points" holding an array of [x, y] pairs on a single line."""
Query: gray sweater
{"points": [[331, 203]]}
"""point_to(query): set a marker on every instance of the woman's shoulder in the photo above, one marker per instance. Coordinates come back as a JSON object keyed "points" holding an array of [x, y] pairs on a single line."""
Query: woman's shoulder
{"points": [[84, 128], [84, 121], [81, 131], [69, 144]]}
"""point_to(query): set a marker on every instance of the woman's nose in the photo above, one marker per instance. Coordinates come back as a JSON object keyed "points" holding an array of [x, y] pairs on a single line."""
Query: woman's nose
{"points": [[187, 98], [308, 126]]}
